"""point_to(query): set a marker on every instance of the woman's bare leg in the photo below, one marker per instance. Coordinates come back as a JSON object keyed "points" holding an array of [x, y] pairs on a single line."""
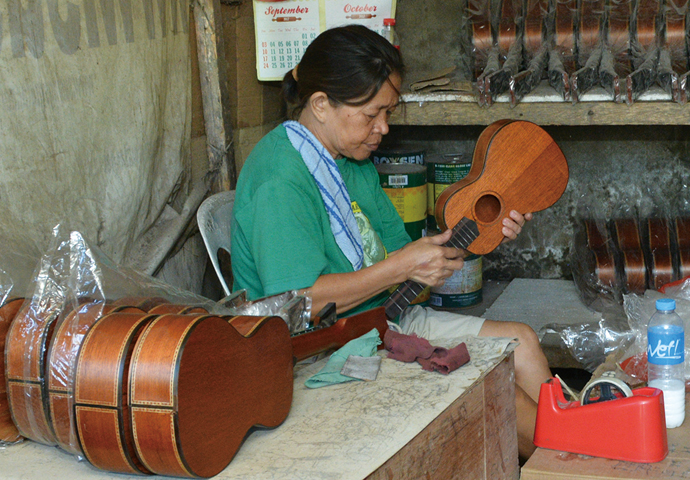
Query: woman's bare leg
{"points": [[531, 370], [526, 421], [531, 366]]}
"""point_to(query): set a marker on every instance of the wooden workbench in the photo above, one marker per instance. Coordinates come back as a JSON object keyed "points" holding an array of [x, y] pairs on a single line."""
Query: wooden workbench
{"points": [[552, 464], [408, 424]]}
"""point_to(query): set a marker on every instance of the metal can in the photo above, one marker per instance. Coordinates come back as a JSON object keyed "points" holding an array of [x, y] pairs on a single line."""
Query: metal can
{"points": [[462, 289], [405, 185], [442, 171]]}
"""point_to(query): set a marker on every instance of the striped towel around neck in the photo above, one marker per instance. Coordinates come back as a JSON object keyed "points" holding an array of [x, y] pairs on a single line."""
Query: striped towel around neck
{"points": [[333, 190]]}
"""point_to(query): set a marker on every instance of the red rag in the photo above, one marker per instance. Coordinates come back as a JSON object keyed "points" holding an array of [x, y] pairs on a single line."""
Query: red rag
{"points": [[408, 348], [445, 361]]}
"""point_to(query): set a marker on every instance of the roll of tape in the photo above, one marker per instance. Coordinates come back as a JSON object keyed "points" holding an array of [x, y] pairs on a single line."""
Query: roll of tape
{"points": [[607, 384]]}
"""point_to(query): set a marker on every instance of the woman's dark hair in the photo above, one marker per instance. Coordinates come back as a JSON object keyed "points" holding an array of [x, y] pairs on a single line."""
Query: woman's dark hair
{"points": [[350, 64]]}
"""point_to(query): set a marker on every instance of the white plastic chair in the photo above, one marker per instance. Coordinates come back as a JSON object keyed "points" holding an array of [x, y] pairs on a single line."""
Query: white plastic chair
{"points": [[214, 218]]}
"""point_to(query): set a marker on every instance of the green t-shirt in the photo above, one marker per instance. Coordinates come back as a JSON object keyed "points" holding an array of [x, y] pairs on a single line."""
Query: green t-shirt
{"points": [[281, 233]]}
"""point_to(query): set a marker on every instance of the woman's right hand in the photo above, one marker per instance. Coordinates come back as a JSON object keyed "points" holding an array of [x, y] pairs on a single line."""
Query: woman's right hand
{"points": [[428, 262]]}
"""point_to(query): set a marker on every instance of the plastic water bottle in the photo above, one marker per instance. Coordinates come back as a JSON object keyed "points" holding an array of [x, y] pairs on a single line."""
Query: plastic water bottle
{"points": [[389, 32], [665, 359]]}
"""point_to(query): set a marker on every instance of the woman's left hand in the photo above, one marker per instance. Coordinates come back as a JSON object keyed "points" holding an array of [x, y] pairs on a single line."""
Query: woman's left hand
{"points": [[512, 224]]}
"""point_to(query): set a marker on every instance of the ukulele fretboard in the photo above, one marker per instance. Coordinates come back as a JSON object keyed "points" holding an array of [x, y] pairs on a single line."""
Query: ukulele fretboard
{"points": [[464, 233]]}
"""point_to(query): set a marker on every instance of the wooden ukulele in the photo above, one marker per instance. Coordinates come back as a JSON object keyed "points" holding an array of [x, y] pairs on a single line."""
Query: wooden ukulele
{"points": [[516, 165]]}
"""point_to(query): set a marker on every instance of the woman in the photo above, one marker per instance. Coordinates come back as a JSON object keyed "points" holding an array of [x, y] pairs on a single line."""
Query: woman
{"points": [[310, 214]]}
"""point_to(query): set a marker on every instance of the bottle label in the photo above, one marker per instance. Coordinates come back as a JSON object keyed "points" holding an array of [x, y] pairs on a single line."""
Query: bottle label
{"points": [[665, 345]]}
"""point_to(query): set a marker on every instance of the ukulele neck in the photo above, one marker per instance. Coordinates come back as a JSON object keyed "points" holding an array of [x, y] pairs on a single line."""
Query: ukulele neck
{"points": [[464, 233]]}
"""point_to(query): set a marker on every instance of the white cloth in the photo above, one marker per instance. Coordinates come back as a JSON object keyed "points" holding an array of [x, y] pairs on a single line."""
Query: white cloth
{"points": [[333, 190]]}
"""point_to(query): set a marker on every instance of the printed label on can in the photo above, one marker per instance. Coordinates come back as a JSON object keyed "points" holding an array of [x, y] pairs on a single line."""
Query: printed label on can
{"points": [[665, 345], [381, 157], [463, 288]]}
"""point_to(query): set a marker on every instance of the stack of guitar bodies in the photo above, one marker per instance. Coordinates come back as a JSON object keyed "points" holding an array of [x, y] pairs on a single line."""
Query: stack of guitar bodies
{"points": [[626, 46], [141, 385], [630, 255]]}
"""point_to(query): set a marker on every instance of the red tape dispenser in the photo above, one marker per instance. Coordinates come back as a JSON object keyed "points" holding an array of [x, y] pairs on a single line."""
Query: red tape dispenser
{"points": [[621, 424]]}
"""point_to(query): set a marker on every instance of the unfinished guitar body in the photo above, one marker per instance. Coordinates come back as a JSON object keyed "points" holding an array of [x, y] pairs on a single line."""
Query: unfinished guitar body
{"points": [[516, 166]]}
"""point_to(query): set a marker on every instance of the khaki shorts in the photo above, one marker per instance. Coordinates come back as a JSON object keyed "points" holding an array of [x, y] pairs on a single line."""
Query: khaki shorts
{"points": [[433, 324]]}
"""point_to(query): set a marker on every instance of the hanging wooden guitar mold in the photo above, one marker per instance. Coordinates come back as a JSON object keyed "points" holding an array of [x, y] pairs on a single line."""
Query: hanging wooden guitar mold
{"points": [[516, 165]]}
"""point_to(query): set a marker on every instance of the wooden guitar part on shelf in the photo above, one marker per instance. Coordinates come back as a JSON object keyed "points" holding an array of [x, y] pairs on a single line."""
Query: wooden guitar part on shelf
{"points": [[516, 165], [8, 312], [661, 269], [633, 270], [197, 386], [62, 362], [604, 263], [682, 234]]}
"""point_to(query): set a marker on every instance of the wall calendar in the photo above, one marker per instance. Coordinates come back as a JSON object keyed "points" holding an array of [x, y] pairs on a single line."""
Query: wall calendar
{"points": [[284, 28]]}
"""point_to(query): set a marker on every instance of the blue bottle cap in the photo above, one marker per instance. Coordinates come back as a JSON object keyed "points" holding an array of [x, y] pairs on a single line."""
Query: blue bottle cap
{"points": [[665, 304]]}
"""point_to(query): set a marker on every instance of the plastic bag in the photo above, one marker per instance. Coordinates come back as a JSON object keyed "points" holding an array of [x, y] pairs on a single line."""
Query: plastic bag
{"points": [[591, 343], [74, 286]]}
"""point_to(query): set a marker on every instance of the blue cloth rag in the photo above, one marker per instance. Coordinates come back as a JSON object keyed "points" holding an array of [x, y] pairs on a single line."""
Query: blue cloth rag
{"points": [[364, 346]]}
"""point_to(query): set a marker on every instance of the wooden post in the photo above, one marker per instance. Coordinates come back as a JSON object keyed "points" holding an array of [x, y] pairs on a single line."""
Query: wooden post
{"points": [[214, 93]]}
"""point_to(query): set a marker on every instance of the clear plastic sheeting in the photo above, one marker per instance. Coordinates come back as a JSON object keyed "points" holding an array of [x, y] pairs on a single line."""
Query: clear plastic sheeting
{"points": [[591, 343], [291, 306]]}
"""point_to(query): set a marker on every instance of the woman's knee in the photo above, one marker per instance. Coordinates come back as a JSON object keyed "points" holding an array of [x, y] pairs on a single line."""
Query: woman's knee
{"points": [[523, 332]]}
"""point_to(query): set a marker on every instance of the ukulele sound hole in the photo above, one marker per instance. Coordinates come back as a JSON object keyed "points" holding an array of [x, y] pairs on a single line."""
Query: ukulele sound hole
{"points": [[487, 208]]}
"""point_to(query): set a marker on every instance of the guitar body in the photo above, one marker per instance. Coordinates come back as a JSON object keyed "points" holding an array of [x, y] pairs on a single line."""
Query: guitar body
{"points": [[8, 312], [62, 359], [25, 356], [516, 165], [682, 231], [306, 345], [171, 308], [661, 269], [101, 405], [197, 386], [633, 270], [598, 244]]}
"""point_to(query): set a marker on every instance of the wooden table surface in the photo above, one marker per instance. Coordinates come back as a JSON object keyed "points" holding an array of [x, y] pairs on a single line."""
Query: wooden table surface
{"points": [[407, 424]]}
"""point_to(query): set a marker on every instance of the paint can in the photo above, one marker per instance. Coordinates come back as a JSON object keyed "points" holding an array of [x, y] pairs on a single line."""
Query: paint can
{"points": [[442, 171], [380, 157], [405, 185], [462, 289]]}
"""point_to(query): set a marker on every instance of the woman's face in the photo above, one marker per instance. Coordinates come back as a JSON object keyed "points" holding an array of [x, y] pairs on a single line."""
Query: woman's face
{"points": [[356, 131]]}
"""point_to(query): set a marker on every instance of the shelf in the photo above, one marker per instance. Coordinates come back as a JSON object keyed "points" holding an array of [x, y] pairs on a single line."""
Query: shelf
{"points": [[543, 106]]}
